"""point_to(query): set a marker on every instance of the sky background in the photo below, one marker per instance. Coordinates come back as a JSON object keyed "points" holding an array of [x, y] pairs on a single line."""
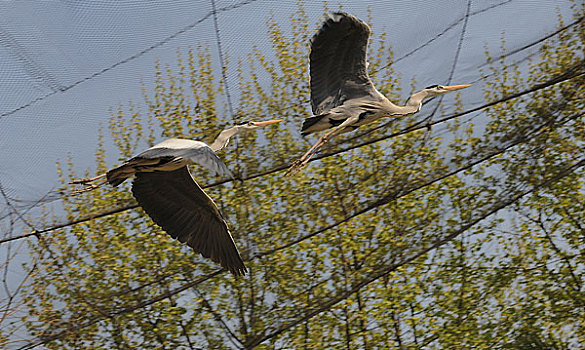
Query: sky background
{"points": [[65, 64]]}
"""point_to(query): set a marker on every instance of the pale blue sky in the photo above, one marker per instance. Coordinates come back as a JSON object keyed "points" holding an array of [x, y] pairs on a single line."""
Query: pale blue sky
{"points": [[64, 64], [48, 46]]}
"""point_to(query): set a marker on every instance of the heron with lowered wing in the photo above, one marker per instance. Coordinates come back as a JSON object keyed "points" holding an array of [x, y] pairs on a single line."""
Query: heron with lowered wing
{"points": [[167, 192]]}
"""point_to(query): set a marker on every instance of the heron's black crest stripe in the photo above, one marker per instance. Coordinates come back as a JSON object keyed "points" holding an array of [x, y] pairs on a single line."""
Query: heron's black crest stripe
{"points": [[431, 86]]}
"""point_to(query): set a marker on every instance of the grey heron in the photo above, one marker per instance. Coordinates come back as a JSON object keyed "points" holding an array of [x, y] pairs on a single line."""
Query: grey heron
{"points": [[167, 192], [343, 97]]}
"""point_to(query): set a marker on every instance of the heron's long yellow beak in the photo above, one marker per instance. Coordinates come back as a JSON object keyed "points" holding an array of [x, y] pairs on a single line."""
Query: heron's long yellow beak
{"points": [[456, 87], [268, 122]]}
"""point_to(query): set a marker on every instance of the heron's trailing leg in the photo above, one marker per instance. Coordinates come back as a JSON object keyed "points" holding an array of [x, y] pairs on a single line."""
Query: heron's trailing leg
{"points": [[91, 179], [316, 147], [301, 162], [90, 186]]}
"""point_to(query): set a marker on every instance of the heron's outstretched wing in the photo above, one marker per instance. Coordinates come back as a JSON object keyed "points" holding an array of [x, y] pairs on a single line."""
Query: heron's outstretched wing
{"points": [[177, 204], [195, 151], [338, 63]]}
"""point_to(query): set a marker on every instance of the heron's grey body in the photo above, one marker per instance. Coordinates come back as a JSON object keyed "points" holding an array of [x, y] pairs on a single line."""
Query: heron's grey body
{"points": [[169, 155], [340, 85], [343, 97], [166, 191], [364, 112]]}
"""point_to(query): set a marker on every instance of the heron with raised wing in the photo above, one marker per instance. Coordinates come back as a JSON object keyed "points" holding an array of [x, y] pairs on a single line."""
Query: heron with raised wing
{"points": [[167, 192], [343, 97]]}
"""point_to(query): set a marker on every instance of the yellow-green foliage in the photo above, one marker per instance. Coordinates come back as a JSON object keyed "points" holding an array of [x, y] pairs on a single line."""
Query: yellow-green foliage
{"points": [[414, 258]]}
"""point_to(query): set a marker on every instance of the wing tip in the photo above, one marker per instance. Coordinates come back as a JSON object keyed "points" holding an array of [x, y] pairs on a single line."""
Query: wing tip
{"points": [[338, 16], [238, 271], [334, 18], [223, 170], [235, 264]]}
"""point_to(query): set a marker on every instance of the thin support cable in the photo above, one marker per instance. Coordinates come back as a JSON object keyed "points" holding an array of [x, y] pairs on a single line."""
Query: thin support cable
{"points": [[454, 65], [14, 210], [128, 59], [443, 32], [460, 43], [221, 60], [538, 41], [383, 201], [232, 337], [571, 73], [427, 121], [383, 271]]}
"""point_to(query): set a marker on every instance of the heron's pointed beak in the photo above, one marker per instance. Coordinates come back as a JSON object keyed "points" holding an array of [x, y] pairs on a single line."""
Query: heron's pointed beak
{"points": [[268, 122], [456, 87]]}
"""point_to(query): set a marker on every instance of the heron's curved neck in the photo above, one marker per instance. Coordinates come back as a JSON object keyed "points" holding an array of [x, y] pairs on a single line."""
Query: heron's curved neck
{"points": [[414, 103], [223, 138]]}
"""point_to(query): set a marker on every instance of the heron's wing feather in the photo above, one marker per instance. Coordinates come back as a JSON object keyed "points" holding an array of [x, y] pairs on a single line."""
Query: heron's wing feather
{"points": [[195, 152], [177, 204], [338, 63]]}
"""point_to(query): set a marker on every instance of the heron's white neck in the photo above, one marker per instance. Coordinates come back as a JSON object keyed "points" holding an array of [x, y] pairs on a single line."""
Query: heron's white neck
{"points": [[413, 104], [223, 138]]}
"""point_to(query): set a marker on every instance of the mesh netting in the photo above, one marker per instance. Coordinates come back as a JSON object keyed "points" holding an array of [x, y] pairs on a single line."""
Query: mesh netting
{"points": [[60, 81], [65, 67]]}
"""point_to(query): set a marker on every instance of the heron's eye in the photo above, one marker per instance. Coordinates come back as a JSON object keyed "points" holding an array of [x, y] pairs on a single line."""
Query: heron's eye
{"points": [[250, 123], [439, 87]]}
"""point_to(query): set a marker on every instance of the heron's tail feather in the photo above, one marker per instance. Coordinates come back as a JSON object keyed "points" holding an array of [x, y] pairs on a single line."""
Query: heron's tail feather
{"points": [[140, 164], [118, 175], [309, 122]]}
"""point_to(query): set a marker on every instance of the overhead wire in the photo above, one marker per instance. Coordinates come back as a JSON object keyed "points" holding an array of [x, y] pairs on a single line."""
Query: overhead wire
{"points": [[221, 60], [571, 73], [428, 119], [326, 305], [537, 41], [385, 199], [443, 32], [127, 59], [257, 175]]}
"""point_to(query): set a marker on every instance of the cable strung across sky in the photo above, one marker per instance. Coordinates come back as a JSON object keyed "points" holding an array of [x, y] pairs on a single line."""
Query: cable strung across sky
{"points": [[576, 71], [403, 171]]}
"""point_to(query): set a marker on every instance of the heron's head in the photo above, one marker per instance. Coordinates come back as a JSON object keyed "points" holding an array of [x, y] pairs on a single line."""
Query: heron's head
{"points": [[251, 125], [436, 90], [223, 138]]}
